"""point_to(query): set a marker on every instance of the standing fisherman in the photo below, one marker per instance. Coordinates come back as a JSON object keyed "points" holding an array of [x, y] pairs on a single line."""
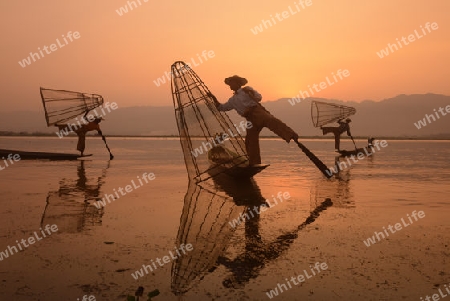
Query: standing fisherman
{"points": [[343, 127], [246, 102], [81, 131]]}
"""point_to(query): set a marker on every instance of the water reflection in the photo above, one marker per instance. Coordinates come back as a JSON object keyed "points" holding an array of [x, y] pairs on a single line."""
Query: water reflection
{"points": [[259, 253], [210, 209], [71, 206], [204, 223], [337, 189]]}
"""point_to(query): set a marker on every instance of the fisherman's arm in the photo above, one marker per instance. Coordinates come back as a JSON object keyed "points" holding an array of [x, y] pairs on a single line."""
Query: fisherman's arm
{"points": [[221, 107], [224, 106]]}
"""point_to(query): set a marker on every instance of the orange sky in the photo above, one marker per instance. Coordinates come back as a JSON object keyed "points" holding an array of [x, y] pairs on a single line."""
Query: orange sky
{"points": [[120, 57]]}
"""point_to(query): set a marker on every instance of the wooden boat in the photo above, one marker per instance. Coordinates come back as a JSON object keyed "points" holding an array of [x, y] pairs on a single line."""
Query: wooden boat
{"points": [[224, 160], [26, 155], [355, 152], [365, 151], [245, 171]]}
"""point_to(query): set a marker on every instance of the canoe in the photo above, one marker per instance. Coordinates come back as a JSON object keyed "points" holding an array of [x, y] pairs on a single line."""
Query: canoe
{"points": [[348, 153], [25, 155]]}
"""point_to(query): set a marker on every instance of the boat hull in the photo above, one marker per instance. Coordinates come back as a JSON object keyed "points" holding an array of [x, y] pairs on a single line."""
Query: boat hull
{"points": [[25, 155]]}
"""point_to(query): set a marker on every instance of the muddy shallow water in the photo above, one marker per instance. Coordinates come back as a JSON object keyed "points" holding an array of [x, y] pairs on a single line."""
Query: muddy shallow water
{"points": [[96, 251]]}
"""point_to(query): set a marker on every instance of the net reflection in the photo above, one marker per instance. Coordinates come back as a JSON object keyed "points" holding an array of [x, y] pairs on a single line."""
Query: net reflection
{"points": [[71, 206]]}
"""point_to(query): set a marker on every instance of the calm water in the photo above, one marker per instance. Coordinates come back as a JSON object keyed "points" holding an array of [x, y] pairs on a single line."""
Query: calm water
{"points": [[96, 250]]}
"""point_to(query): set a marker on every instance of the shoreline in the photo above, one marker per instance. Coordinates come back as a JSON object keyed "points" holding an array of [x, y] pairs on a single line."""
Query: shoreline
{"points": [[46, 135]]}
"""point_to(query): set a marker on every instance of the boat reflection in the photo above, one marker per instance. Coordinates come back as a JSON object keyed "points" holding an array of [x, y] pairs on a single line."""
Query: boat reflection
{"points": [[209, 213], [71, 206]]}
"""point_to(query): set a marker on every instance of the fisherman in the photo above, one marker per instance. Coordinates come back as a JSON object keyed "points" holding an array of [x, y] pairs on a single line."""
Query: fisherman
{"points": [[343, 127], [370, 141], [246, 102], [82, 130]]}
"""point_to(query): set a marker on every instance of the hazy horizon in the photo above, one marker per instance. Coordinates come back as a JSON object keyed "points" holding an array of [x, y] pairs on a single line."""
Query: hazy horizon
{"points": [[263, 101], [400, 117]]}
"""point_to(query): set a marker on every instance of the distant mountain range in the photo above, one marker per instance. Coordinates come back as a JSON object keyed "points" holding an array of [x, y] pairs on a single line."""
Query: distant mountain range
{"points": [[393, 117]]}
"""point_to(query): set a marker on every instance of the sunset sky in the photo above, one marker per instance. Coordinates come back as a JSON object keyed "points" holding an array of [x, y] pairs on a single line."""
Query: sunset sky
{"points": [[120, 57]]}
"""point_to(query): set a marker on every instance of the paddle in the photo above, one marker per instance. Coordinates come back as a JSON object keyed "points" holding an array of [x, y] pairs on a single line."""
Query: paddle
{"points": [[107, 147], [320, 165], [353, 142]]}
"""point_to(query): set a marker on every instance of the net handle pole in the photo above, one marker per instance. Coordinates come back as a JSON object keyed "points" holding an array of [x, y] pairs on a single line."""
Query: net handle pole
{"points": [[45, 108]]}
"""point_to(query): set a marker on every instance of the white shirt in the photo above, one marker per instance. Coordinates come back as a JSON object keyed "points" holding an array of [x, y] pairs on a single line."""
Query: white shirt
{"points": [[241, 101]]}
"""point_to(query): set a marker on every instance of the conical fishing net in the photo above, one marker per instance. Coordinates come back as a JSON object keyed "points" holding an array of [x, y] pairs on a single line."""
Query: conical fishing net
{"points": [[324, 113], [61, 106], [209, 139]]}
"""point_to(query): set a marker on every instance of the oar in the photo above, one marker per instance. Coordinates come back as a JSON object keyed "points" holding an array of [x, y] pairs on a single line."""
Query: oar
{"points": [[320, 165], [354, 143], [107, 147]]}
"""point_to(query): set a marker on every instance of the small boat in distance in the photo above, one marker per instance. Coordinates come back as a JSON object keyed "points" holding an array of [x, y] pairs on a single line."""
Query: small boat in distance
{"points": [[365, 150], [24, 155]]}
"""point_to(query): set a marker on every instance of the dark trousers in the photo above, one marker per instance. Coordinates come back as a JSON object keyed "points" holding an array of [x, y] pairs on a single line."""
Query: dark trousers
{"points": [[260, 118], [337, 135]]}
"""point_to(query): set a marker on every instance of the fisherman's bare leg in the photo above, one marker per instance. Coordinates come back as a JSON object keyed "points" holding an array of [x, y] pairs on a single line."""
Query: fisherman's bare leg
{"points": [[252, 145], [81, 145], [277, 126], [337, 140]]}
